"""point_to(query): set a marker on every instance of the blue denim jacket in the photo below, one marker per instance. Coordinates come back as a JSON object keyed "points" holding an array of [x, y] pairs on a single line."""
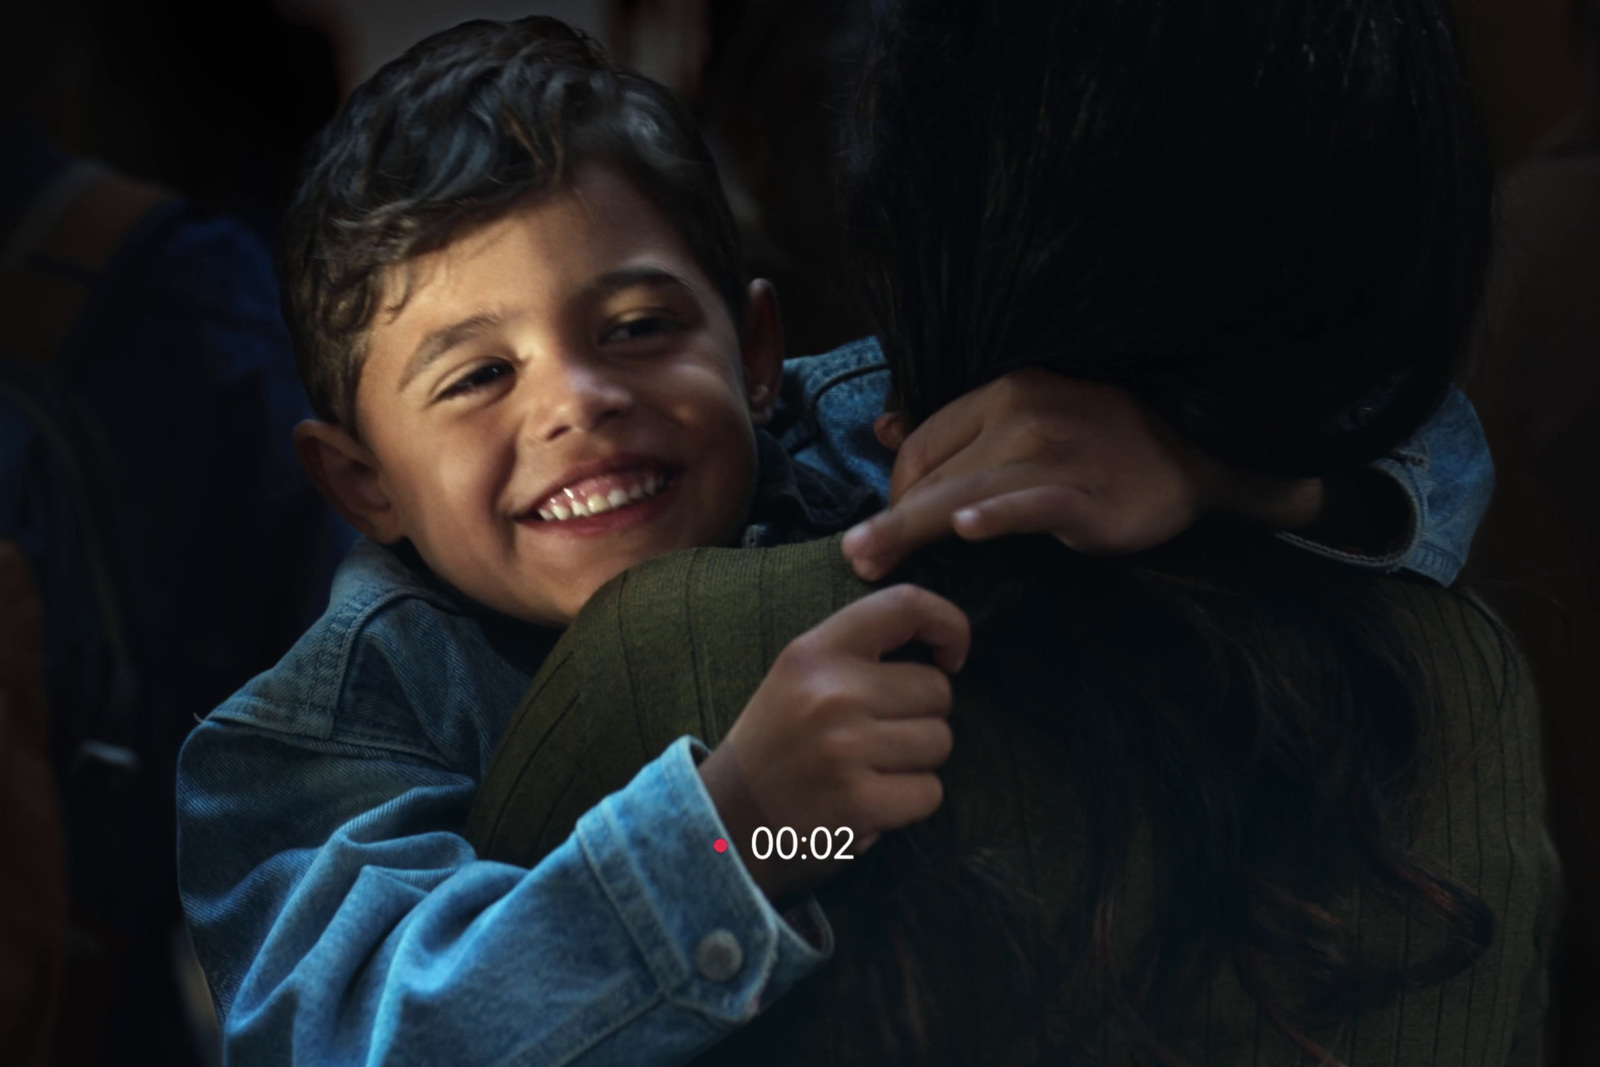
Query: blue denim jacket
{"points": [[342, 918]]}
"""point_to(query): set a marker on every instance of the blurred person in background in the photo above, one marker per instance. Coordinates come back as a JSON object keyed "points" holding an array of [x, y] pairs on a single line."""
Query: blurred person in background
{"points": [[1535, 379], [136, 320]]}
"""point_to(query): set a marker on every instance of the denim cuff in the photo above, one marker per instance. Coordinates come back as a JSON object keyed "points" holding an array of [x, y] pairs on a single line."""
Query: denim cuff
{"points": [[1447, 476], [1411, 549], [708, 934]]}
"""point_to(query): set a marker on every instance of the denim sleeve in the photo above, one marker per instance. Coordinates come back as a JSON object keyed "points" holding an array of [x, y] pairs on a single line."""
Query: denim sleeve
{"points": [[1447, 476], [828, 403], [343, 920]]}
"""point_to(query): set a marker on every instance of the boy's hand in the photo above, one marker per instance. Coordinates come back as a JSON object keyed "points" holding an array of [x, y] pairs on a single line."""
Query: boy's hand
{"points": [[1034, 452], [836, 738]]}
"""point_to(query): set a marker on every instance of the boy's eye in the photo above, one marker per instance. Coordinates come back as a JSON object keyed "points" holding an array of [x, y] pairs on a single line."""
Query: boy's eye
{"points": [[482, 376], [640, 328]]}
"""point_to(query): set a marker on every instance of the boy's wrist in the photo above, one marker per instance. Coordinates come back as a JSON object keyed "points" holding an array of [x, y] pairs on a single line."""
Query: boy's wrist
{"points": [[1291, 504], [736, 807], [740, 815]]}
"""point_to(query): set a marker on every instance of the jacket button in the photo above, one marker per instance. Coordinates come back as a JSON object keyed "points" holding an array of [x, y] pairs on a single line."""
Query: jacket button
{"points": [[719, 956]]}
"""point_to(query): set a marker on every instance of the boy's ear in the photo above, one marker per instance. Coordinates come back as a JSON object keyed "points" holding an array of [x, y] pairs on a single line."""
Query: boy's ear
{"points": [[346, 473], [761, 350]]}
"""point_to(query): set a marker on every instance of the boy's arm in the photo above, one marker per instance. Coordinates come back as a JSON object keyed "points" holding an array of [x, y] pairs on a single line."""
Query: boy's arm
{"points": [[341, 917], [1416, 509]]}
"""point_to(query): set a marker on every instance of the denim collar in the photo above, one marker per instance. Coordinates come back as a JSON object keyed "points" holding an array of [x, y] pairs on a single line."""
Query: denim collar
{"points": [[795, 503]]}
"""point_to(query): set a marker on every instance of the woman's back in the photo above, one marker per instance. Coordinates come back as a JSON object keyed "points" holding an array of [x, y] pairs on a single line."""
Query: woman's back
{"points": [[1019, 924]]}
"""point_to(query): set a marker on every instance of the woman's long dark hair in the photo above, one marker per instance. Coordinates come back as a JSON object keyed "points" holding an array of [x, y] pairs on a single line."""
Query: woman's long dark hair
{"points": [[1268, 222]]}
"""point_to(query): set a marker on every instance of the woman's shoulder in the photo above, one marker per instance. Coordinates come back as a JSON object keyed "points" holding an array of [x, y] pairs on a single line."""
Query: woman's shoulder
{"points": [[673, 646], [783, 590], [1468, 657]]}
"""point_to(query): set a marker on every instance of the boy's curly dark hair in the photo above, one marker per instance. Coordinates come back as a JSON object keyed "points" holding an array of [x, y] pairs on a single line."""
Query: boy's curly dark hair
{"points": [[453, 134]]}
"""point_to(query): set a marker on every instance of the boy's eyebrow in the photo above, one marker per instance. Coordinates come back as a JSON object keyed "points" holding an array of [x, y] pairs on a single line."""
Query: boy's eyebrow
{"points": [[443, 340], [627, 277]]}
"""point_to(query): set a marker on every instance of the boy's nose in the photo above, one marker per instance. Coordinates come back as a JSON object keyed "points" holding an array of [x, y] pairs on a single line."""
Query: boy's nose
{"points": [[577, 395]]}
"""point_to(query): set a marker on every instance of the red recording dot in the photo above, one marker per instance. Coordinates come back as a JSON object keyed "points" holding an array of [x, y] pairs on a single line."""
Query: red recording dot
{"points": [[720, 844]]}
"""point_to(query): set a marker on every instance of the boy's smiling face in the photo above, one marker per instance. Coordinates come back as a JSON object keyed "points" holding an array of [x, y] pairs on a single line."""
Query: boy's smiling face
{"points": [[560, 395]]}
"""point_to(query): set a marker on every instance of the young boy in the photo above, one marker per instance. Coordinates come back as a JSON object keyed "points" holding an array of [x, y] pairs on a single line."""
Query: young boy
{"points": [[518, 307]]}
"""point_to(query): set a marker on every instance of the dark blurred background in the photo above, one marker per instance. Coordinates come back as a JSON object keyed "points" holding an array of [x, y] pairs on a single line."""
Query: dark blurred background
{"points": [[199, 111]]}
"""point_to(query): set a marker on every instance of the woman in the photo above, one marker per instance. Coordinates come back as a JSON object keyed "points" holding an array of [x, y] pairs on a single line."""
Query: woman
{"points": [[1223, 802]]}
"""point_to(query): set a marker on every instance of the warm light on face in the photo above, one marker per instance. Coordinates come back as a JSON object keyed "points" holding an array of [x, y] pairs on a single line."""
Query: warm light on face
{"points": [[559, 398]]}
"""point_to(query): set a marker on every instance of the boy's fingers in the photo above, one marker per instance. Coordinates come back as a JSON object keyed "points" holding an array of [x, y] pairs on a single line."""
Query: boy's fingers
{"points": [[907, 745], [891, 801], [1068, 513], [943, 434], [883, 621], [1019, 400], [909, 690], [927, 515]]}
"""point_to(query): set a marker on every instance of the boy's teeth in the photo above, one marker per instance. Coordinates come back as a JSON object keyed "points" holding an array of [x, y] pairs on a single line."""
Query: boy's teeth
{"points": [[613, 492]]}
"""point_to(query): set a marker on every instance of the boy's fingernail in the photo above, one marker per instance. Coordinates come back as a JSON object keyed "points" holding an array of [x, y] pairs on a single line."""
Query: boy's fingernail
{"points": [[967, 517], [857, 540]]}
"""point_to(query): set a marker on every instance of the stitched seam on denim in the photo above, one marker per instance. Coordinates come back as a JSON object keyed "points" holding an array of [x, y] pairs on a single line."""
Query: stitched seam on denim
{"points": [[1435, 563], [335, 747], [581, 1044], [761, 955], [843, 377], [1419, 504], [227, 712], [811, 391], [850, 353], [623, 883], [357, 744], [387, 601], [346, 623], [1388, 562]]}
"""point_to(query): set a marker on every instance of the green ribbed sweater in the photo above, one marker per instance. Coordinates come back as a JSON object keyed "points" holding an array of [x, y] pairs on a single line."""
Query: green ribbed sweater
{"points": [[678, 645]]}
